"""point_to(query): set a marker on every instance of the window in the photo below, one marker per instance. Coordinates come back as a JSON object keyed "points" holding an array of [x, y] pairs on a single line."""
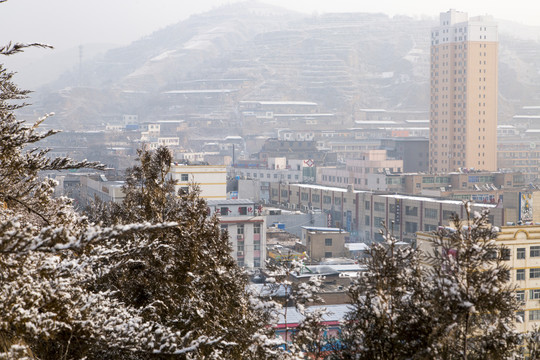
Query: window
{"points": [[284, 193], [257, 247], [224, 211], [367, 205], [520, 295], [520, 274], [534, 314], [521, 253], [533, 295], [242, 210], [184, 177], [315, 197], [535, 251], [411, 210], [240, 229], [521, 316], [429, 227], [430, 213], [327, 199], [327, 242], [377, 221], [257, 228], [224, 227], [378, 206], [328, 254], [411, 227], [447, 214], [367, 220], [240, 247], [534, 273]]}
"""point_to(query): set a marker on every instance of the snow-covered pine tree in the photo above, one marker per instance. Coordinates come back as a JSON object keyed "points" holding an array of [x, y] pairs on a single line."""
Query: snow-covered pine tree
{"points": [[530, 348], [183, 277], [45, 310], [391, 312], [474, 303], [58, 271]]}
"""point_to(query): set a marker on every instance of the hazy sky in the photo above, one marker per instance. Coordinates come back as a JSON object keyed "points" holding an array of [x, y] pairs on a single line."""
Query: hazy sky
{"points": [[68, 23]]}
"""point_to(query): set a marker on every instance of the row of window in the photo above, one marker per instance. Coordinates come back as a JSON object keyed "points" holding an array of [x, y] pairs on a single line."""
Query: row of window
{"points": [[276, 176], [240, 228], [256, 246], [242, 210], [534, 294], [533, 315], [534, 251], [534, 273]]}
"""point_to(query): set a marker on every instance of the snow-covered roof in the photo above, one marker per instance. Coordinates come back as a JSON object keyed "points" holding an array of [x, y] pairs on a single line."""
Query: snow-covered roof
{"points": [[304, 103], [356, 246], [326, 188], [325, 229], [375, 122], [230, 202], [438, 201], [304, 115], [526, 117], [197, 91], [334, 313], [265, 290]]}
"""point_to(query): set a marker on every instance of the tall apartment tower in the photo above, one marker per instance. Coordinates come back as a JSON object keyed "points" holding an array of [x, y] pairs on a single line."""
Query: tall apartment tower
{"points": [[463, 111]]}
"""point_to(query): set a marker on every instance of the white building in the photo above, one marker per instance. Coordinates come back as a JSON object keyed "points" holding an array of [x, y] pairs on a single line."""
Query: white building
{"points": [[212, 180], [246, 229]]}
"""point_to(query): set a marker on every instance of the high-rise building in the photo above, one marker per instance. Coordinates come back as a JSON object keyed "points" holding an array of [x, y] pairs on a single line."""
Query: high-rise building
{"points": [[463, 113]]}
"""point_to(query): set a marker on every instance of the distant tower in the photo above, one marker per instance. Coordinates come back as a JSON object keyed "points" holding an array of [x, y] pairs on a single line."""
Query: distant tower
{"points": [[463, 111]]}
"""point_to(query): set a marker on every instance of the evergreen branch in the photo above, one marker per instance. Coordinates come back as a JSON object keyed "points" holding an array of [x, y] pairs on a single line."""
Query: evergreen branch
{"points": [[14, 48], [27, 207]]}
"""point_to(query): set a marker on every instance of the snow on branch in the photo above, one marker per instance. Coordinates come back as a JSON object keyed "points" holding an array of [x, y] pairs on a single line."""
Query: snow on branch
{"points": [[14, 48]]}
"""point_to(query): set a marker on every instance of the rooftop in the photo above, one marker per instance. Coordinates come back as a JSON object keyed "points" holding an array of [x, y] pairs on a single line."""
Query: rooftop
{"points": [[322, 229]]}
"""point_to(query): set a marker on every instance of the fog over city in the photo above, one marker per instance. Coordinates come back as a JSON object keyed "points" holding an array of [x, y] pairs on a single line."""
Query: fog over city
{"points": [[279, 179], [68, 23]]}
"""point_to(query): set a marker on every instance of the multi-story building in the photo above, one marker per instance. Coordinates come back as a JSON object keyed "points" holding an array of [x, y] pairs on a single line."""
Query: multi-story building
{"points": [[246, 229], [412, 151], [463, 111], [272, 170], [212, 180], [366, 172], [520, 153], [323, 242], [362, 213], [94, 186], [480, 186], [523, 259]]}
